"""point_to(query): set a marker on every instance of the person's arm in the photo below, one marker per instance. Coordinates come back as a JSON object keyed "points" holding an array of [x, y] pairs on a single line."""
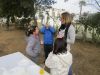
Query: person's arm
{"points": [[42, 30], [52, 29], [71, 35]]}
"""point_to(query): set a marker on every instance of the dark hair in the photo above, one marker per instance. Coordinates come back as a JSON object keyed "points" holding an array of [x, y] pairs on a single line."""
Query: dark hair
{"points": [[30, 30], [60, 46]]}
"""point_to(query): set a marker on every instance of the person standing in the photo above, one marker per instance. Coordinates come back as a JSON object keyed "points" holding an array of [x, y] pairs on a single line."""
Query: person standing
{"points": [[48, 38], [67, 31]]}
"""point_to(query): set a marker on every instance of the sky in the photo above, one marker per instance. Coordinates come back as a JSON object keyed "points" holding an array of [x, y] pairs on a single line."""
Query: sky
{"points": [[72, 6]]}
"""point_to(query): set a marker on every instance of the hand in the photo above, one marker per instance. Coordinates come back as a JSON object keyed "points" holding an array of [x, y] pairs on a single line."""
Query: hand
{"points": [[41, 42], [59, 36], [47, 26]]}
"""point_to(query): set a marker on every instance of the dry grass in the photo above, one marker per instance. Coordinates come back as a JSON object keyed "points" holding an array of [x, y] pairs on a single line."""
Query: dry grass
{"points": [[86, 59]]}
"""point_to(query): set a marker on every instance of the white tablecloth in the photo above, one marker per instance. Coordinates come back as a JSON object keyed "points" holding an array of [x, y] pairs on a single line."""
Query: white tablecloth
{"points": [[18, 64]]}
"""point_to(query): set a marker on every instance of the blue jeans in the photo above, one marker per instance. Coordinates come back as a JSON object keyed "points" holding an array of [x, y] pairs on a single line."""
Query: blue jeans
{"points": [[70, 71]]}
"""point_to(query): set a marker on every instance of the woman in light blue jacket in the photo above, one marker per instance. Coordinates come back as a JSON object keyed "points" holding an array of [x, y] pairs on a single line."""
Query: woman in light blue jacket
{"points": [[33, 43]]}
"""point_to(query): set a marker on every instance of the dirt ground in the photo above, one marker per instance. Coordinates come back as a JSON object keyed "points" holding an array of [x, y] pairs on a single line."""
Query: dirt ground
{"points": [[86, 56]]}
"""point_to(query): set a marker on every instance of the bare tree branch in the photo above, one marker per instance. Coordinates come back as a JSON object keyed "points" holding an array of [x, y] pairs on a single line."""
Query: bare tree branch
{"points": [[97, 3], [94, 6]]}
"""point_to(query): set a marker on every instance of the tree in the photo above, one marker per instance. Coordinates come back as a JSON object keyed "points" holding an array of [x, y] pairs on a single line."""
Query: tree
{"points": [[37, 4], [84, 21], [81, 4], [11, 8], [92, 23], [95, 25]]}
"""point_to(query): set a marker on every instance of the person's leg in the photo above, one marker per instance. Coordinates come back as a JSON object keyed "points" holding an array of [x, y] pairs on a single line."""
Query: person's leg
{"points": [[34, 59], [50, 48], [46, 51], [70, 71]]}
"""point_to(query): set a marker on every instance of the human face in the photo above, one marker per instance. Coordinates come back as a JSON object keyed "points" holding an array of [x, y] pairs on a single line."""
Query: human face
{"points": [[62, 20], [37, 31]]}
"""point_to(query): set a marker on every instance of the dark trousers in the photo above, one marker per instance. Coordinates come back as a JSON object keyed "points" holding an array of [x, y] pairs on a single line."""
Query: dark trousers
{"points": [[47, 49], [70, 71]]}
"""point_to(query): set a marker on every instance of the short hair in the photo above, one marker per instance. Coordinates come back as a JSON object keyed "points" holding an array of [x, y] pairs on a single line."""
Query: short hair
{"points": [[60, 46], [66, 17], [30, 30]]}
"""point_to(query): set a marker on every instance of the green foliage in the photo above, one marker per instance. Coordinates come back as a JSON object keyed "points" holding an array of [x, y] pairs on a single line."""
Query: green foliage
{"points": [[95, 25], [21, 7], [92, 23], [84, 19]]}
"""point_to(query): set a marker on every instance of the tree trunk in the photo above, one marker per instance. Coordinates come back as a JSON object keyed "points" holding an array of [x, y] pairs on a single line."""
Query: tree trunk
{"points": [[80, 10], [12, 19], [34, 12], [8, 18], [85, 33], [97, 36], [76, 29], [93, 35], [35, 20], [42, 20]]}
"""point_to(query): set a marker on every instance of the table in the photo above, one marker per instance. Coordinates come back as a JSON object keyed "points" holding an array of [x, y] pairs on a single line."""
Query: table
{"points": [[18, 64]]}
